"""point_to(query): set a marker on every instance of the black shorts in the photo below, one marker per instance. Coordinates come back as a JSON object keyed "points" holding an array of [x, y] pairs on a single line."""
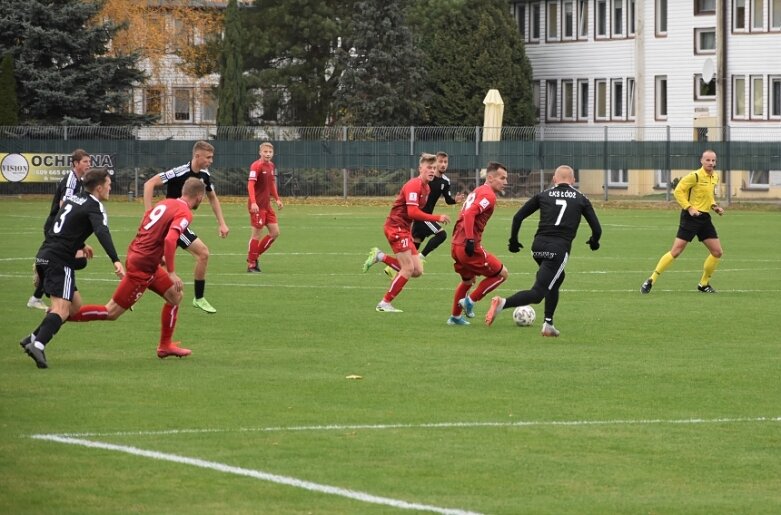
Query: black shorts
{"points": [[422, 230], [700, 226], [59, 280], [552, 256], [186, 239]]}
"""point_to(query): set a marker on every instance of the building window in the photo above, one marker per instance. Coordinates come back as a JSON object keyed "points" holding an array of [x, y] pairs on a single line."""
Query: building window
{"points": [[153, 102], [583, 99], [618, 18], [704, 90], [630, 99], [739, 97], [600, 99], [705, 41], [775, 97], [617, 99], [775, 15], [660, 96], [631, 17], [660, 14], [183, 35], [739, 15], [759, 179], [183, 105], [568, 100], [704, 6], [535, 20], [569, 19], [662, 178], [208, 106], [583, 18], [553, 22], [551, 100], [757, 98], [536, 99], [519, 12], [617, 178], [757, 15], [600, 20]]}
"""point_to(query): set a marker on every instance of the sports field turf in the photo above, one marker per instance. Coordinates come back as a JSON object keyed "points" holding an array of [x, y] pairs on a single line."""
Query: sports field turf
{"points": [[660, 403]]}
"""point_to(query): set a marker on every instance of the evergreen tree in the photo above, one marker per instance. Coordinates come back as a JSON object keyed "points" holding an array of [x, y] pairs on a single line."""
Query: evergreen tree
{"points": [[64, 72], [383, 81], [9, 114], [473, 46], [233, 106], [291, 46]]}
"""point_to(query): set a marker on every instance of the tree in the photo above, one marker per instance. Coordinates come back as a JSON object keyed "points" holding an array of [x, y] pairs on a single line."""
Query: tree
{"points": [[473, 46], [9, 108], [233, 108], [64, 73], [290, 55], [383, 81]]}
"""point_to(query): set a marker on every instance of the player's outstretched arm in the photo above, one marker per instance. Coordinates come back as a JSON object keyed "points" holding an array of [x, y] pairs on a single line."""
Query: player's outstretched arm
{"points": [[149, 190], [214, 202]]}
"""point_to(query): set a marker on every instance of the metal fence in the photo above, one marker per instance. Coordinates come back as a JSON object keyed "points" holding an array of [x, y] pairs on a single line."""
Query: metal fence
{"points": [[375, 161]]}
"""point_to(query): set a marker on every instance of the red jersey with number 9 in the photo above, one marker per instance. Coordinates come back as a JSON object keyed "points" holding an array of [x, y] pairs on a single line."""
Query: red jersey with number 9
{"points": [[146, 250]]}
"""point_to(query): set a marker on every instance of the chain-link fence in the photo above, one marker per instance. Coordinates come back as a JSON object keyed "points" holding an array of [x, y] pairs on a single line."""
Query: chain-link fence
{"points": [[612, 163]]}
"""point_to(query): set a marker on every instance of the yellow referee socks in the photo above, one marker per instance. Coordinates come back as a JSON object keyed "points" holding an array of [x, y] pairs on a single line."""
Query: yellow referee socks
{"points": [[661, 266], [711, 262]]}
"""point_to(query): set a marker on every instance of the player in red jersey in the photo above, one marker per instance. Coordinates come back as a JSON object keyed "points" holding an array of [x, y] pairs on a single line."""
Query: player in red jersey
{"points": [[398, 231], [155, 240], [262, 187], [471, 259]]}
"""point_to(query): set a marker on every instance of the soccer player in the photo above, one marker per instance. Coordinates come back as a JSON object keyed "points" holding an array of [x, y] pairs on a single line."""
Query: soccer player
{"points": [[203, 155], [78, 218], [695, 193], [398, 225], [68, 185], [262, 187], [156, 238], [471, 259], [561, 208], [440, 187]]}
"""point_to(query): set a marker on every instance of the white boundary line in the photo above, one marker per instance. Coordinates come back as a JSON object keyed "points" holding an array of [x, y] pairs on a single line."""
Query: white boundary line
{"points": [[256, 474], [429, 425]]}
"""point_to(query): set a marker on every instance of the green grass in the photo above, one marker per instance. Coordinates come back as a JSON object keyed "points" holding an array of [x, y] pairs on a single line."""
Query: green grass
{"points": [[665, 403]]}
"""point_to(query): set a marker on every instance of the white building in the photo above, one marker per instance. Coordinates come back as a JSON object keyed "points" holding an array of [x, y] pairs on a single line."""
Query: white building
{"points": [[646, 65]]}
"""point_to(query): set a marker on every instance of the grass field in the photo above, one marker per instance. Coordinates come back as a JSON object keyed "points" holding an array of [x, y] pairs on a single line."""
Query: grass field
{"points": [[665, 403]]}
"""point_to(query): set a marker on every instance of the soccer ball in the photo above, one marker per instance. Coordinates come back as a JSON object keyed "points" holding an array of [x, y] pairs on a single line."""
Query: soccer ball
{"points": [[524, 316]]}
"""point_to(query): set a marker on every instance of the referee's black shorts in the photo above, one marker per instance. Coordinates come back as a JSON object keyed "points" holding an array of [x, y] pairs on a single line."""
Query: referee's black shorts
{"points": [[699, 226]]}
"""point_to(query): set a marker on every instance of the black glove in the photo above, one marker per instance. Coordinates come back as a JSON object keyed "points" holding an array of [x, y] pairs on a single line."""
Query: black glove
{"points": [[594, 244], [514, 246], [469, 248]]}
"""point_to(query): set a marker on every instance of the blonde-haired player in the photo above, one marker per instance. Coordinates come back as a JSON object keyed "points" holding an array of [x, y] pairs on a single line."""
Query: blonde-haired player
{"points": [[262, 187]]}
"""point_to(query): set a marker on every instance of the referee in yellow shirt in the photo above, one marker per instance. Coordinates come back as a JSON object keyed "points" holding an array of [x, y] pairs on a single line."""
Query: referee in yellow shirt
{"points": [[695, 194]]}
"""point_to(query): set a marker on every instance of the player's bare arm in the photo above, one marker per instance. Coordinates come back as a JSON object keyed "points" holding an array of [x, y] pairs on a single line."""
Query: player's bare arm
{"points": [[214, 202], [149, 190]]}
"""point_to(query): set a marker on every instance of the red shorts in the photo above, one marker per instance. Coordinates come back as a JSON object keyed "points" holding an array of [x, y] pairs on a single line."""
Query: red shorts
{"points": [[136, 282], [400, 239], [482, 263], [262, 218]]}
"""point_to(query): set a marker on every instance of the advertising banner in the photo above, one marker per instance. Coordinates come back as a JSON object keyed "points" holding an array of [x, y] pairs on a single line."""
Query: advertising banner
{"points": [[42, 167]]}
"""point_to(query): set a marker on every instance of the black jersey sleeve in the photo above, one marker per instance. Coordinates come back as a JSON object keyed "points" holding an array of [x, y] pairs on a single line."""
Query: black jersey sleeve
{"points": [[593, 222], [449, 200], [526, 210], [99, 220]]}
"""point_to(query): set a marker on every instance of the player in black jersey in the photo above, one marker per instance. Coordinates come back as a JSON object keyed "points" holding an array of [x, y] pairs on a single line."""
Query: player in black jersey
{"points": [[440, 187], [69, 185], [561, 208], [198, 167], [78, 218]]}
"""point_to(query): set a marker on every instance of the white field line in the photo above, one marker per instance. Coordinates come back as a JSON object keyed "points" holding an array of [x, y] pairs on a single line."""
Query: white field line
{"points": [[256, 474], [429, 425]]}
